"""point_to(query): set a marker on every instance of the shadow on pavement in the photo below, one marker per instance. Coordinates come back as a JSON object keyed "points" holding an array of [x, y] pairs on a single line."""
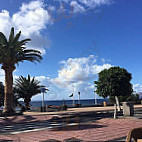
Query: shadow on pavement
{"points": [[68, 122], [14, 119], [77, 127], [2, 140]]}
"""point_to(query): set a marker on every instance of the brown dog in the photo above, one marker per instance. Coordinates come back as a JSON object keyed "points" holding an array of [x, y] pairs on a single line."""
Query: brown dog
{"points": [[135, 133]]}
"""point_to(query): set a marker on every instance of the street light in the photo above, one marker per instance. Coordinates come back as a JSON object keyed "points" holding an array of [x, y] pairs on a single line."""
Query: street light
{"points": [[43, 90], [95, 98]]}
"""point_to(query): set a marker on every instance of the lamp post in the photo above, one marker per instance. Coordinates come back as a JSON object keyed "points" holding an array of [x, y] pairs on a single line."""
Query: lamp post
{"points": [[43, 90], [95, 98]]}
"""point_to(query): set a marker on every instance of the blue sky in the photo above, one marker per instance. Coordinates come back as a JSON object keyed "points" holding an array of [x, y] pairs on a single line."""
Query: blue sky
{"points": [[77, 38]]}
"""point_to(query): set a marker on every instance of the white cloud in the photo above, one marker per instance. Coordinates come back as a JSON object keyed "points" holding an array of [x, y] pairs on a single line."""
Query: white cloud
{"points": [[61, 9], [137, 88], [31, 6], [2, 77], [79, 69], [76, 75], [5, 21], [97, 68], [57, 92], [94, 3], [103, 60], [88, 2], [31, 19], [80, 6], [44, 80], [77, 8], [51, 8], [78, 72]]}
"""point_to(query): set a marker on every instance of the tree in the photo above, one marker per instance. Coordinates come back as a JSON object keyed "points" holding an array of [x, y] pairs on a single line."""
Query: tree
{"points": [[13, 51], [26, 88], [133, 97], [1, 94], [114, 81]]}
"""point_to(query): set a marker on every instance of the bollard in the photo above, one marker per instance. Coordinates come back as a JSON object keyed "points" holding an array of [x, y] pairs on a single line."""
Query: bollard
{"points": [[115, 111], [104, 104]]}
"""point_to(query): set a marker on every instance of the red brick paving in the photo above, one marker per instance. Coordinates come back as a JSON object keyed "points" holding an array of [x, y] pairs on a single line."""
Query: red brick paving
{"points": [[105, 129], [24, 119], [111, 129]]}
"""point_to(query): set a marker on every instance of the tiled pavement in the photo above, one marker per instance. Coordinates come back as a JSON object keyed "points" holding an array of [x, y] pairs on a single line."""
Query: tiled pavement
{"points": [[87, 127]]}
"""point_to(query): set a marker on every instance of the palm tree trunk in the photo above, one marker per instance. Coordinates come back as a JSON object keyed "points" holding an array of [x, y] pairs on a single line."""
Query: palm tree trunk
{"points": [[27, 103], [8, 98]]}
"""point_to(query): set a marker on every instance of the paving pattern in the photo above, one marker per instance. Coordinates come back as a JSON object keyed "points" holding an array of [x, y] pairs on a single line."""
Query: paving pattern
{"points": [[92, 126]]}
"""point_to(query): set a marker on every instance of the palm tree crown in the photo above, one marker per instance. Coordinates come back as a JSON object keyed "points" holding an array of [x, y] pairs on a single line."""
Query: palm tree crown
{"points": [[13, 51], [26, 88]]}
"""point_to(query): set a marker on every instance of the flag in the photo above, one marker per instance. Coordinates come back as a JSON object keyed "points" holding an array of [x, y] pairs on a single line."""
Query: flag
{"points": [[71, 95]]}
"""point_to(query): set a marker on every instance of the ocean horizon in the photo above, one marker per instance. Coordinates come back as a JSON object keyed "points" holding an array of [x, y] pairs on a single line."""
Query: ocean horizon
{"points": [[84, 102]]}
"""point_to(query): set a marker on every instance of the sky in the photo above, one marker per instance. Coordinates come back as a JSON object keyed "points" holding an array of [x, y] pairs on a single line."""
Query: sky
{"points": [[77, 39]]}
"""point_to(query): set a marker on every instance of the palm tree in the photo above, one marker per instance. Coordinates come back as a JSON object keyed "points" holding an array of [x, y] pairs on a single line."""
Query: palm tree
{"points": [[26, 88], [1, 94], [13, 51]]}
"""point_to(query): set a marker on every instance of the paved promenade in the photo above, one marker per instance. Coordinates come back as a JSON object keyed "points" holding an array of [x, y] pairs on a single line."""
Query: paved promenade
{"points": [[87, 124]]}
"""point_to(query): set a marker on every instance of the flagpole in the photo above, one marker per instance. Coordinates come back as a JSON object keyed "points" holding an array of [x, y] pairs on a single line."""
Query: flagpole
{"points": [[79, 98], [42, 99]]}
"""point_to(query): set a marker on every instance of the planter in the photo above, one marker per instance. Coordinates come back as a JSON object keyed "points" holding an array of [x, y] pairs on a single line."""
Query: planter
{"points": [[41, 109], [78, 105], [63, 107], [128, 108]]}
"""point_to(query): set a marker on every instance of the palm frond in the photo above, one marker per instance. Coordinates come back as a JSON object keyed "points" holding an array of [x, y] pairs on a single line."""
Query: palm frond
{"points": [[3, 40], [21, 43], [14, 51], [27, 87], [16, 38], [11, 37]]}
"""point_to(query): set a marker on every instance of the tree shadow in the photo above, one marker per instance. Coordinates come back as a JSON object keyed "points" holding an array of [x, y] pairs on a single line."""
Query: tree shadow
{"points": [[82, 117], [3, 140], [51, 140], [77, 127], [14, 119], [121, 139], [67, 122]]}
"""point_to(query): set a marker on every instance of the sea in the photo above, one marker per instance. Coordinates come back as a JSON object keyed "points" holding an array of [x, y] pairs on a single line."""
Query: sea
{"points": [[69, 103]]}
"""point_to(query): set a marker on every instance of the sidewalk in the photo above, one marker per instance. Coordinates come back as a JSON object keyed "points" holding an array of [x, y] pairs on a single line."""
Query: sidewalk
{"points": [[33, 127], [76, 110]]}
